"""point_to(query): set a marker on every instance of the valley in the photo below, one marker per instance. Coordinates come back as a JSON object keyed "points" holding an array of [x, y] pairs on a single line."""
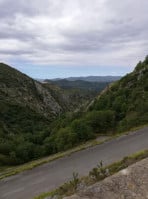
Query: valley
{"points": [[29, 110], [40, 119], [73, 99]]}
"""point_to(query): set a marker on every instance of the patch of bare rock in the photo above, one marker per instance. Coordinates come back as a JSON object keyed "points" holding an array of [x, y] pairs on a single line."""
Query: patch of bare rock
{"points": [[130, 183]]}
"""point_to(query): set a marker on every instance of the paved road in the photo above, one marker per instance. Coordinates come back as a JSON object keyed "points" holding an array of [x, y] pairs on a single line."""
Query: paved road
{"points": [[46, 177]]}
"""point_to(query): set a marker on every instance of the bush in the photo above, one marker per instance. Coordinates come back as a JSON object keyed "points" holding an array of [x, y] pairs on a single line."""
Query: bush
{"points": [[100, 121], [99, 172], [65, 139], [82, 130]]}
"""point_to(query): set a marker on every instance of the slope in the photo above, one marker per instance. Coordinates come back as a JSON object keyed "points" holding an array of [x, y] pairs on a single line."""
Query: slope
{"points": [[128, 98], [27, 109], [121, 106]]}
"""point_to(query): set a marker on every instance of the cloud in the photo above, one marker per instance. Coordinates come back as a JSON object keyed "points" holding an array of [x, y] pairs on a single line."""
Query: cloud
{"points": [[80, 32]]}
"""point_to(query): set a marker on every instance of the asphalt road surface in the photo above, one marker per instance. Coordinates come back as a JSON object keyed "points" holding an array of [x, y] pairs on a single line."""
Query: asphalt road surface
{"points": [[46, 177]]}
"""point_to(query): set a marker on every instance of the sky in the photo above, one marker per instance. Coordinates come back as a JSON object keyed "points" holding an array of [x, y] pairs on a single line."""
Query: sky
{"points": [[56, 38]]}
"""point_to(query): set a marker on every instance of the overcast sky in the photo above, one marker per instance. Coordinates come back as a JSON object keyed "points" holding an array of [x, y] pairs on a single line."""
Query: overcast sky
{"points": [[59, 38]]}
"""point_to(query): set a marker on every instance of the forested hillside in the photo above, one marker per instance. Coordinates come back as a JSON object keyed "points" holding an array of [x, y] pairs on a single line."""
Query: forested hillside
{"points": [[27, 128], [122, 105], [27, 109], [128, 98]]}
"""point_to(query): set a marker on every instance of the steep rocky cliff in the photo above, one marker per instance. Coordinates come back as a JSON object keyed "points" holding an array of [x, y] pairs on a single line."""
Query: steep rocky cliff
{"points": [[17, 88]]}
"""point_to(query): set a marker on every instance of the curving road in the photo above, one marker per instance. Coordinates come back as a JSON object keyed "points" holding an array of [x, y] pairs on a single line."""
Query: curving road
{"points": [[46, 177]]}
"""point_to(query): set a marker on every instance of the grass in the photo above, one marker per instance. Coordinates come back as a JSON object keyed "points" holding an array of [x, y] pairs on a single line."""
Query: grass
{"points": [[9, 171], [100, 173]]}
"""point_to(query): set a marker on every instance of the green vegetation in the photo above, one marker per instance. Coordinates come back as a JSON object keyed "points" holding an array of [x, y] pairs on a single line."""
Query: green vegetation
{"points": [[95, 175], [99, 172], [120, 107], [128, 98], [6, 171], [22, 132], [27, 109], [33, 122]]}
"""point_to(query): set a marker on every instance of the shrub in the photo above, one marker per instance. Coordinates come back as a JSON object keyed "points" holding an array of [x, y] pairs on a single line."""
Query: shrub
{"points": [[99, 172], [82, 130]]}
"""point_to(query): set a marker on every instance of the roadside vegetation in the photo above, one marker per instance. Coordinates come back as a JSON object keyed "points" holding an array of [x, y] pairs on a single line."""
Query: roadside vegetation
{"points": [[6, 171], [97, 174]]}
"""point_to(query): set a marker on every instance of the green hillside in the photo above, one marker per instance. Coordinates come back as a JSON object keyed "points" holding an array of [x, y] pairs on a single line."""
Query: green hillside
{"points": [[32, 123], [27, 109], [128, 98], [122, 105]]}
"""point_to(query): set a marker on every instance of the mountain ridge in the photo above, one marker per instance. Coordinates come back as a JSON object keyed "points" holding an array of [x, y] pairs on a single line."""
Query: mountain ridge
{"points": [[105, 78], [94, 87]]}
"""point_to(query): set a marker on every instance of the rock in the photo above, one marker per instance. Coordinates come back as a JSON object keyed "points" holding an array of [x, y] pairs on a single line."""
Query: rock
{"points": [[52, 197], [130, 183]]}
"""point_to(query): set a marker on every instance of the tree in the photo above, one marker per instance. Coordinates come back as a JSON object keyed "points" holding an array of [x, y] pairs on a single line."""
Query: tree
{"points": [[65, 139], [82, 130], [100, 121], [146, 60]]}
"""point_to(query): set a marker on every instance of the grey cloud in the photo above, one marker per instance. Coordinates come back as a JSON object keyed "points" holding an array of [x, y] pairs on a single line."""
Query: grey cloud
{"points": [[98, 40], [11, 8], [66, 30], [16, 52], [13, 34]]}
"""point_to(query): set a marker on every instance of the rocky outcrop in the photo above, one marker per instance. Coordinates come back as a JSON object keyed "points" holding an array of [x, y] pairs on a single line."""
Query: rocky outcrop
{"points": [[130, 183], [46, 99]]}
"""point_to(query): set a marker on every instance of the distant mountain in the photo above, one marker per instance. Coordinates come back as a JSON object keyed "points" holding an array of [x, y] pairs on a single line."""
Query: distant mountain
{"points": [[92, 78], [94, 87]]}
